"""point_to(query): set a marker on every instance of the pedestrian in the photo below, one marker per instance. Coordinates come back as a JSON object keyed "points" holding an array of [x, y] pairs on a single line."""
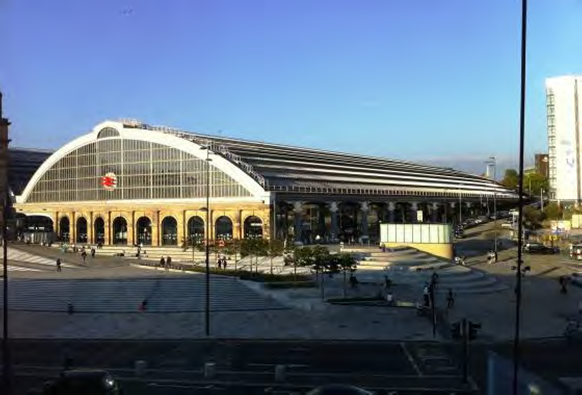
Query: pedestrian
{"points": [[390, 299], [434, 278], [353, 281], [93, 251], [387, 282], [450, 299], [219, 263], [224, 263], [58, 264], [168, 262], [84, 256], [563, 284], [162, 262], [425, 295]]}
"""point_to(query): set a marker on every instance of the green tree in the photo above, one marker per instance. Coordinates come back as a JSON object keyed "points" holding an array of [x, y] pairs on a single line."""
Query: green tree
{"points": [[534, 182], [510, 179], [275, 250], [346, 262], [532, 217], [553, 211], [302, 257]]}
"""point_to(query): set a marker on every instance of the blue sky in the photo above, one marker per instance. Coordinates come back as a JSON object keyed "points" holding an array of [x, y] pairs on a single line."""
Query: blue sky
{"points": [[408, 79]]}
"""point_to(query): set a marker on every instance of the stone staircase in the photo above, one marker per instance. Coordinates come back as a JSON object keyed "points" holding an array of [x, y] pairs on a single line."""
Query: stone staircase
{"points": [[405, 265], [164, 294]]}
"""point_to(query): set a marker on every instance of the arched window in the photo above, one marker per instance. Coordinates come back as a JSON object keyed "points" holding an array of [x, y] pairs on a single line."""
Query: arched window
{"points": [[119, 231], [64, 229], [169, 231], [253, 228], [107, 132], [195, 229], [144, 231], [99, 230], [81, 230], [223, 228]]}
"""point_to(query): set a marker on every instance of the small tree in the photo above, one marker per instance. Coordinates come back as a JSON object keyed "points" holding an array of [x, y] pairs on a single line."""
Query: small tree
{"points": [[346, 262], [553, 211], [302, 256], [275, 250], [321, 261]]}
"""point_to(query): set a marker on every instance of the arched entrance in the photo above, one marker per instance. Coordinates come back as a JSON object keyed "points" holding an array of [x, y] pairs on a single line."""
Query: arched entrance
{"points": [[223, 228], [144, 231], [119, 231], [34, 228], [195, 228], [169, 231], [99, 231], [64, 229], [253, 227], [81, 230]]}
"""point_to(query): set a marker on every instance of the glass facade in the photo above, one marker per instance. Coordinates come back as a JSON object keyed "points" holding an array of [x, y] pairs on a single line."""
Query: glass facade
{"points": [[119, 169]]}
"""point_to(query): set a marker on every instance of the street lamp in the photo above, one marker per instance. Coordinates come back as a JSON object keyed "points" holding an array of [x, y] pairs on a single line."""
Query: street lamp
{"points": [[207, 304], [493, 162]]}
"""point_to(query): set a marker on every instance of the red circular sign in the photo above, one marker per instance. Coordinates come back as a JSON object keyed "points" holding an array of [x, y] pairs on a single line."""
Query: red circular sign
{"points": [[109, 181]]}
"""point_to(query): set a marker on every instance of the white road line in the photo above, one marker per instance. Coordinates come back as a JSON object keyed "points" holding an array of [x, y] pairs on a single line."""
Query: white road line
{"points": [[22, 269], [411, 359]]}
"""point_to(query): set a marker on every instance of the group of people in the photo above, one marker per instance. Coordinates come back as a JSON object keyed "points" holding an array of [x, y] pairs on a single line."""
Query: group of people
{"points": [[429, 290], [165, 262], [221, 262]]}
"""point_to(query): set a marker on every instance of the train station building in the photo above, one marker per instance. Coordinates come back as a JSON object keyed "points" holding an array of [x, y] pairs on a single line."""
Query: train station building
{"points": [[126, 182]]}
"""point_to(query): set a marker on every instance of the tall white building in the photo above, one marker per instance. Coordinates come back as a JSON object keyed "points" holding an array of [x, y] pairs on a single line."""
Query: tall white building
{"points": [[564, 112]]}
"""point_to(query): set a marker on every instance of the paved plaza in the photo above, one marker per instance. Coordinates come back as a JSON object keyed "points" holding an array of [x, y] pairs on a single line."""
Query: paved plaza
{"points": [[106, 294]]}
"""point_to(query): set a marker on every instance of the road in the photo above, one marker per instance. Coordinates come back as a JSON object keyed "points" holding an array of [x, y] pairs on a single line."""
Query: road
{"points": [[177, 366]]}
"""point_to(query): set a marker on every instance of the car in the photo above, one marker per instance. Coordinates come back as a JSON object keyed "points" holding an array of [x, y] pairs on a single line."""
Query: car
{"points": [[83, 381], [538, 248], [576, 251], [507, 224]]}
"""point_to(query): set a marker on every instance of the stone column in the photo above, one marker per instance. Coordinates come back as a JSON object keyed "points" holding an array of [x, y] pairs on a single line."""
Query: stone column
{"points": [[321, 220], [131, 236], [239, 228], [413, 210], [434, 212], [364, 208], [73, 227], [107, 236], [156, 229], [90, 228], [391, 208], [298, 216], [333, 213]]}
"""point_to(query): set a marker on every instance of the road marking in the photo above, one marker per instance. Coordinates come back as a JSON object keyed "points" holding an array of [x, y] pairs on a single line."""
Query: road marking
{"points": [[411, 359]]}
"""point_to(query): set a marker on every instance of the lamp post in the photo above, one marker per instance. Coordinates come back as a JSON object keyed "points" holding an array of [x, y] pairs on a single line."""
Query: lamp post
{"points": [[493, 162], [207, 301]]}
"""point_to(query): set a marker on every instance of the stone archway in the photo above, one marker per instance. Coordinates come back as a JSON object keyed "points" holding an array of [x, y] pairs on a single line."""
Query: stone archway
{"points": [[99, 231], [253, 227], [64, 229], [119, 231], [223, 226], [169, 231], [81, 230], [143, 229], [196, 229]]}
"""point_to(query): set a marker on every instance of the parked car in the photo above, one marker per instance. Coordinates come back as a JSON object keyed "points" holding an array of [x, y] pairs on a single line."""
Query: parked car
{"points": [[83, 381], [538, 248], [576, 251]]}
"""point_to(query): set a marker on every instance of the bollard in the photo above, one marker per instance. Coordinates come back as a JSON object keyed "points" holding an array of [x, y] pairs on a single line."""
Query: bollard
{"points": [[140, 368], [280, 371], [209, 370]]}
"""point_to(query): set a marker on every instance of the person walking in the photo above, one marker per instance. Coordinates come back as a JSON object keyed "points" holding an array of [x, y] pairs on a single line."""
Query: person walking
{"points": [[353, 281], [162, 262], [168, 262], [58, 264], [563, 285], [84, 256], [93, 251], [425, 295], [224, 263], [450, 299]]}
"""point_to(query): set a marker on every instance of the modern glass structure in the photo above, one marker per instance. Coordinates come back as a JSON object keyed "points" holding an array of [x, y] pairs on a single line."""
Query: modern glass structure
{"points": [[127, 182]]}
